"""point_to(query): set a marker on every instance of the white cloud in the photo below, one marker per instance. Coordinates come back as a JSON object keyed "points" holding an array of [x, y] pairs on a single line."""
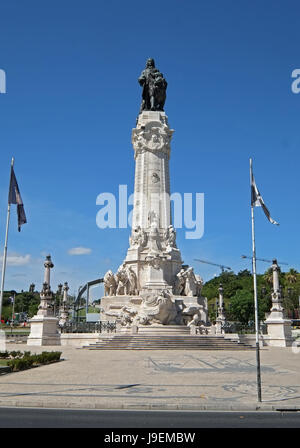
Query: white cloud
{"points": [[17, 260], [79, 251]]}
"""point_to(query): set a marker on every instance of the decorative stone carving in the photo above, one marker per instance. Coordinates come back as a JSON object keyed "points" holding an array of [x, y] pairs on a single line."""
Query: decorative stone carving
{"points": [[157, 309], [179, 283], [187, 283], [138, 238], [155, 261], [154, 137], [190, 283], [170, 238], [195, 321], [46, 305], [122, 281], [199, 284], [154, 309], [154, 243], [110, 284], [132, 280], [155, 178]]}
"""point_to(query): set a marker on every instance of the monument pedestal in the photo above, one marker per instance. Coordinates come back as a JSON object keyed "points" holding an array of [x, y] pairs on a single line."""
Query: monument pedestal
{"points": [[43, 326], [157, 330], [279, 331], [279, 328], [43, 331]]}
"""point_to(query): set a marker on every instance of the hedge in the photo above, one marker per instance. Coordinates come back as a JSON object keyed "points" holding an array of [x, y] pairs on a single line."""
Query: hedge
{"points": [[21, 361]]}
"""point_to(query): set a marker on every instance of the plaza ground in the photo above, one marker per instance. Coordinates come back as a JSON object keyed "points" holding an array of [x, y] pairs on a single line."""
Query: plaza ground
{"points": [[162, 380]]}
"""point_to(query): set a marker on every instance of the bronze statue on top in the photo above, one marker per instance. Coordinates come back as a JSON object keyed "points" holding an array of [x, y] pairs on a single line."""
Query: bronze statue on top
{"points": [[154, 87]]}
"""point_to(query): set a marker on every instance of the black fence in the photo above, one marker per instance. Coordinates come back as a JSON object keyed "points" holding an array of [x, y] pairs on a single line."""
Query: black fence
{"points": [[237, 327], [89, 327]]}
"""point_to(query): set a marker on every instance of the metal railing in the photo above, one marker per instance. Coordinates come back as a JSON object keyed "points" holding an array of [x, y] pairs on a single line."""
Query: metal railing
{"points": [[237, 327]]}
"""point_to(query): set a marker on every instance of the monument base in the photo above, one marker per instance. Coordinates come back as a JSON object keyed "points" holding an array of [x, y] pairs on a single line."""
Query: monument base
{"points": [[43, 331], [113, 308], [157, 330], [279, 331]]}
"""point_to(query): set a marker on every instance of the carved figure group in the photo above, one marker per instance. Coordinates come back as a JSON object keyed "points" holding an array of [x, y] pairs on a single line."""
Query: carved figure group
{"points": [[138, 237], [124, 282], [170, 237], [187, 283], [157, 308]]}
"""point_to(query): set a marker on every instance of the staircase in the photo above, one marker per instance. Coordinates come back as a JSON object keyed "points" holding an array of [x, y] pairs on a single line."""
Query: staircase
{"points": [[136, 342]]}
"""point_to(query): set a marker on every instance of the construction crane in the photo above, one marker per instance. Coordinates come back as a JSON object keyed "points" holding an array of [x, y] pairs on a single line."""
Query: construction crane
{"points": [[214, 264], [263, 259]]}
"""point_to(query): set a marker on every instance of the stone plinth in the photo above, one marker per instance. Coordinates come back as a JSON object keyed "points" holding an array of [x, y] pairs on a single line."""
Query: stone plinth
{"points": [[279, 328], [43, 331], [44, 326], [279, 331]]}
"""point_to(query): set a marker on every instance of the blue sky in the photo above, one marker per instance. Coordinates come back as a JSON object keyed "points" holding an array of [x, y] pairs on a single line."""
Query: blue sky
{"points": [[73, 97]]}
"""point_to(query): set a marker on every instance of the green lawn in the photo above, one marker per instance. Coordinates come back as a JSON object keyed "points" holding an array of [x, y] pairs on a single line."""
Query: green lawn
{"points": [[3, 362]]}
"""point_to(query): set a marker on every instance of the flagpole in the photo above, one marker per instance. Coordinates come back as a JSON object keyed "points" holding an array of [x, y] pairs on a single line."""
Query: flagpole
{"points": [[5, 251], [255, 297]]}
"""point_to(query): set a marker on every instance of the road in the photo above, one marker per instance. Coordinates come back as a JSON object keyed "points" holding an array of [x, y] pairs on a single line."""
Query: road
{"points": [[62, 418]]}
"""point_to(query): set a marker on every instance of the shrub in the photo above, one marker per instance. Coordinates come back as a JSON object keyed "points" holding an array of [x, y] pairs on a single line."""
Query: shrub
{"points": [[19, 364], [22, 361], [4, 355]]}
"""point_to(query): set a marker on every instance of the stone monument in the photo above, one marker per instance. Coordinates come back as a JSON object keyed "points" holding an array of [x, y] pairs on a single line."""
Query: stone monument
{"points": [[221, 318], [152, 286], [279, 328], [64, 308], [43, 326]]}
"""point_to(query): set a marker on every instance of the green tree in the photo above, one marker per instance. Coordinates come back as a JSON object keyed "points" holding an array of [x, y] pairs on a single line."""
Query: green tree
{"points": [[292, 276], [242, 307]]}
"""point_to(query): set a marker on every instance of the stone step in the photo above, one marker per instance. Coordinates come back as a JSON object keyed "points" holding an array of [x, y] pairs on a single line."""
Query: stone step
{"points": [[125, 342]]}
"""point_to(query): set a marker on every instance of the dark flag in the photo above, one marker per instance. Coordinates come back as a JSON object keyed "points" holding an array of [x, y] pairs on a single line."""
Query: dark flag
{"points": [[257, 200], [14, 197]]}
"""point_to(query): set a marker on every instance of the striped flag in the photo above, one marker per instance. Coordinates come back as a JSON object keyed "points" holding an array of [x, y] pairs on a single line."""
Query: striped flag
{"points": [[257, 200], [14, 197]]}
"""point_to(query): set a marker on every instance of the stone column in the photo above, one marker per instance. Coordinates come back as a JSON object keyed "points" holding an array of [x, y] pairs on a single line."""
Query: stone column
{"points": [[153, 256], [279, 328], [43, 326], [46, 295], [64, 309], [221, 318], [48, 265]]}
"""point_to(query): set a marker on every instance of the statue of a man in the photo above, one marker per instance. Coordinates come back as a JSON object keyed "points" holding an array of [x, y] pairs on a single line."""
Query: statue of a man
{"points": [[154, 87]]}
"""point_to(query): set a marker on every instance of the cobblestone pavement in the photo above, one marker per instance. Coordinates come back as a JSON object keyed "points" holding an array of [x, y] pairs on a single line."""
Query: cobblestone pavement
{"points": [[141, 379]]}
